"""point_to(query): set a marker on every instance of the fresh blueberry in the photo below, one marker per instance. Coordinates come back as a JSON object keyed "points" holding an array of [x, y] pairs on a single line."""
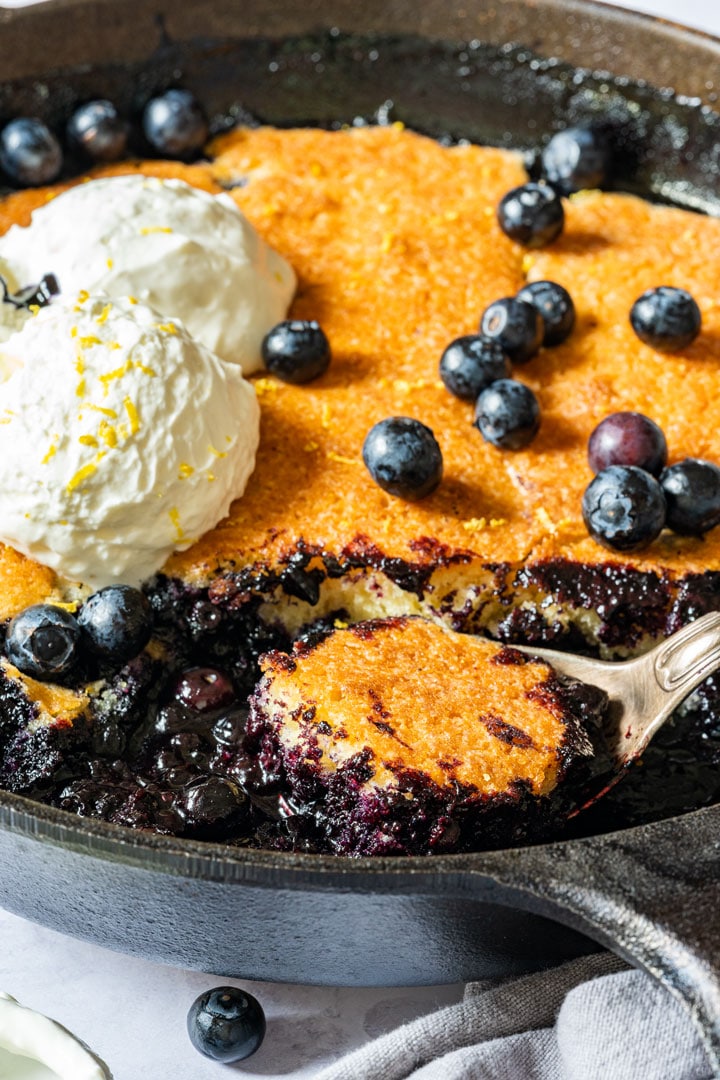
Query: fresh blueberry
{"points": [[117, 622], [692, 493], [226, 1024], [532, 215], [29, 152], [666, 318], [204, 689], [471, 363], [297, 351], [577, 158], [174, 124], [624, 508], [627, 438], [556, 308], [516, 326], [507, 414], [43, 641], [98, 131], [403, 457]]}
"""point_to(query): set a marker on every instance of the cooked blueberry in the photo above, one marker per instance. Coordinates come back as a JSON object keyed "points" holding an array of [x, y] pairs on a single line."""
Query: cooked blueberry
{"points": [[403, 457], [627, 438], [532, 215], [624, 508], [226, 1024], [556, 308], [211, 806], [117, 622], [29, 152], [577, 158], [666, 318], [175, 124], [230, 728], [204, 689], [471, 363], [43, 641], [297, 351], [692, 493], [204, 618], [507, 414], [516, 326], [98, 131]]}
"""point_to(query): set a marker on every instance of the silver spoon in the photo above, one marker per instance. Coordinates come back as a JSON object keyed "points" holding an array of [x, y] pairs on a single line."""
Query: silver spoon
{"points": [[643, 692]]}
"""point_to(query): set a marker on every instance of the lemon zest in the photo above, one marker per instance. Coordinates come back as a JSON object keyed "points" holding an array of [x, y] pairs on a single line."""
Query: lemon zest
{"points": [[133, 416]]}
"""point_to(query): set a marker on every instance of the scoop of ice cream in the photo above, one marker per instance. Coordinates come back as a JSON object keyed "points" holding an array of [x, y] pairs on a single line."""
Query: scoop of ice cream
{"points": [[27, 1036], [121, 439], [188, 254]]}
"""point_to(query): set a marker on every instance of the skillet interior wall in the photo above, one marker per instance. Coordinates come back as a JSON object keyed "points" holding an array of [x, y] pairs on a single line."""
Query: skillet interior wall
{"points": [[458, 85]]}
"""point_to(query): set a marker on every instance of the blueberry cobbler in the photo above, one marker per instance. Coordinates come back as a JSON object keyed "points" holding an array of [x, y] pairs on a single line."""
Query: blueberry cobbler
{"points": [[298, 440]]}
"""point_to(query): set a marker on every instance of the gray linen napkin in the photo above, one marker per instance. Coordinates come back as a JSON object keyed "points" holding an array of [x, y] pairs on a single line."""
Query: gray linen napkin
{"points": [[590, 1019]]}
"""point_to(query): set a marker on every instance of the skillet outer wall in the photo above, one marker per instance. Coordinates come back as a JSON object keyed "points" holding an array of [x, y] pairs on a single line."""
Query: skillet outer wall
{"points": [[651, 893]]}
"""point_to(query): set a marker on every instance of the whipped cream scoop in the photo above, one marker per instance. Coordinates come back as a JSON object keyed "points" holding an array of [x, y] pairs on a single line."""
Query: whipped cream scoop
{"points": [[122, 439], [188, 254], [29, 1037]]}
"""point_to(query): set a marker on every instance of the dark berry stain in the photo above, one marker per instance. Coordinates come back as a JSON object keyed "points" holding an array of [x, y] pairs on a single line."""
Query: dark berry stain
{"points": [[510, 657], [504, 731]]}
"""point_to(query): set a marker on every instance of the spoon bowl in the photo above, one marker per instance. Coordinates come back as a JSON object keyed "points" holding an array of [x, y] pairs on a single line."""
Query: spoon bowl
{"points": [[642, 692]]}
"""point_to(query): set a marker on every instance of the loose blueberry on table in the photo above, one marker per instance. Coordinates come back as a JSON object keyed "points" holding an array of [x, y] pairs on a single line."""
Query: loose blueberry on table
{"points": [[532, 215], [516, 326], [555, 306], [226, 1024], [666, 318], [624, 508], [627, 438], [507, 414], [296, 351], [469, 364], [403, 457]]}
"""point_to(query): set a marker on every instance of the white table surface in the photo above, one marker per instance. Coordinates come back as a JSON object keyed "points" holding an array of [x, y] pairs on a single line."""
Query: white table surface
{"points": [[133, 1012]]}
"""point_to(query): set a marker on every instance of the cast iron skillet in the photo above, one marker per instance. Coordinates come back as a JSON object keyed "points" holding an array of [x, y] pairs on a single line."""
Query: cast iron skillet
{"points": [[651, 893]]}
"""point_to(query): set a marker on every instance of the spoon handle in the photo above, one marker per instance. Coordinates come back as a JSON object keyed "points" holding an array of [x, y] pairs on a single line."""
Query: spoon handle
{"points": [[687, 658]]}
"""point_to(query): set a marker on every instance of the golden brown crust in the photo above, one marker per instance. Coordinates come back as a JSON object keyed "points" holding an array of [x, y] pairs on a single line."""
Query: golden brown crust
{"points": [[397, 250], [55, 704], [395, 269], [421, 698]]}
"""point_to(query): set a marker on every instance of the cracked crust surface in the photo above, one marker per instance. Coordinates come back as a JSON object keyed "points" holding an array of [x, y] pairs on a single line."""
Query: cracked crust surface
{"points": [[397, 249]]}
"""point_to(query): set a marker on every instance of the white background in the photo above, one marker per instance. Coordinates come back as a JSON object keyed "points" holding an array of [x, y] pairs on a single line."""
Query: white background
{"points": [[133, 1012]]}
